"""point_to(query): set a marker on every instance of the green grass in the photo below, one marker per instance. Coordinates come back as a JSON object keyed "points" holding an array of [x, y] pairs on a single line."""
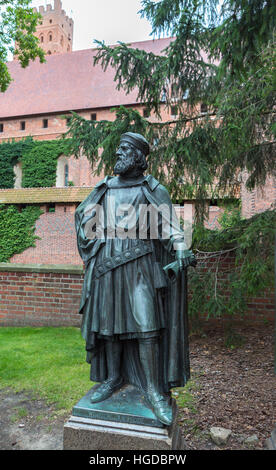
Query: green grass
{"points": [[19, 413], [49, 362], [186, 400], [184, 397]]}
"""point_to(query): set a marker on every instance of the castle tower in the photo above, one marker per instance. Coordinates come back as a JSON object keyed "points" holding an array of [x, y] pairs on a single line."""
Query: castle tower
{"points": [[56, 30]]}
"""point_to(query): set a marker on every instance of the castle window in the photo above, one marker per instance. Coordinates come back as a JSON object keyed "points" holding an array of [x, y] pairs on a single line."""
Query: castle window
{"points": [[66, 173], [146, 113], [174, 110], [93, 117], [50, 208], [22, 125], [41, 38], [174, 90], [203, 108], [1, 127], [21, 207], [17, 169], [164, 95], [45, 123], [186, 94], [50, 37], [50, 21]]}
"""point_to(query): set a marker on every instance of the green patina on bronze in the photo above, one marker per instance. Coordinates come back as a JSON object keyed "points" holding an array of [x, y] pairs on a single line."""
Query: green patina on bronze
{"points": [[125, 406], [134, 315]]}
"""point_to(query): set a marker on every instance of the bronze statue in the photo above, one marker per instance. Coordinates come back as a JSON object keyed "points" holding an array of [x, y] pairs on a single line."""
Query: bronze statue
{"points": [[134, 313]]}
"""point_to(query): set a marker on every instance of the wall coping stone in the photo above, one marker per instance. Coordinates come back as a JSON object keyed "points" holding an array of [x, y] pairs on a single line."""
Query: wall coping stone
{"points": [[42, 268]]}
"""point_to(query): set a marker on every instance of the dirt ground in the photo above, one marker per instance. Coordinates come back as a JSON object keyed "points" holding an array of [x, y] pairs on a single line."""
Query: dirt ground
{"points": [[233, 388]]}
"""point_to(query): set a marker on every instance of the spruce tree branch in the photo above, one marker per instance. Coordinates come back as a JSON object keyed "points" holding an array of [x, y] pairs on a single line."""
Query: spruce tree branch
{"points": [[176, 121]]}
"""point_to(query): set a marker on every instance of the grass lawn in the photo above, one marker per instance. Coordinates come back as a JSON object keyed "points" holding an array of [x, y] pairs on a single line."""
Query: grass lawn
{"points": [[50, 362]]}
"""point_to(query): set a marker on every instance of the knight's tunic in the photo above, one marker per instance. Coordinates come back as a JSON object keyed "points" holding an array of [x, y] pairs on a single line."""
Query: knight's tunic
{"points": [[123, 295], [123, 300]]}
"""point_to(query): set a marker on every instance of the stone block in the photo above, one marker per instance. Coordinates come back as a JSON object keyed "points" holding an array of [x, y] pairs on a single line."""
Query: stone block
{"points": [[122, 422], [219, 435], [270, 443]]}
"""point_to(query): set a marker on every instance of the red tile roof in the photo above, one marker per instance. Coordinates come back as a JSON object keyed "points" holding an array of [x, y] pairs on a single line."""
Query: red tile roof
{"points": [[65, 194], [43, 195], [66, 82]]}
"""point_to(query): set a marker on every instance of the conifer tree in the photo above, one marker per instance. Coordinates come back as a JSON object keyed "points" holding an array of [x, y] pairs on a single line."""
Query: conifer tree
{"points": [[219, 74]]}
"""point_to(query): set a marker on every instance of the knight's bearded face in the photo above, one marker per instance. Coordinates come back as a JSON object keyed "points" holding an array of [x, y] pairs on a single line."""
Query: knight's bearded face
{"points": [[126, 161]]}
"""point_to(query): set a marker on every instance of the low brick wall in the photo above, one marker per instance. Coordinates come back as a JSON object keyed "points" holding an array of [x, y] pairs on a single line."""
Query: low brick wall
{"points": [[259, 308], [49, 295], [40, 295]]}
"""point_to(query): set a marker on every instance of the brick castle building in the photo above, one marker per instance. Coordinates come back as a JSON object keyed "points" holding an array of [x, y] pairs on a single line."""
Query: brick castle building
{"points": [[36, 104], [42, 285]]}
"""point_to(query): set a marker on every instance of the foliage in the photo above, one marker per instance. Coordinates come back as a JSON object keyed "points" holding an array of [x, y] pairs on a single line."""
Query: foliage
{"points": [[250, 245], [222, 55], [17, 24], [39, 164], [16, 230], [92, 136], [10, 153], [38, 158], [231, 215]]}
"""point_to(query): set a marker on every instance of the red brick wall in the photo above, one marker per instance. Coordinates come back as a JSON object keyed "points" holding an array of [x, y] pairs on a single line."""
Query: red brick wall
{"points": [[57, 243], [52, 298], [40, 298], [259, 308], [57, 124], [258, 200]]}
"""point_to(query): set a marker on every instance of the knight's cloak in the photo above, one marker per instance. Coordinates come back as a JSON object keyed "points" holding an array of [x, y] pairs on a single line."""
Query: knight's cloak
{"points": [[174, 365]]}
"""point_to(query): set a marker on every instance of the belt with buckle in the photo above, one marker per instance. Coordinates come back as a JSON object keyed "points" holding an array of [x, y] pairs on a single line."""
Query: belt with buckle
{"points": [[121, 258]]}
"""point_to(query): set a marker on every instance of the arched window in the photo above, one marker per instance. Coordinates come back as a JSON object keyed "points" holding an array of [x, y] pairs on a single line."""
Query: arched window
{"points": [[62, 175], [17, 169], [61, 41], [66, 173], [174, 90], [41, 38], [50, 36]]}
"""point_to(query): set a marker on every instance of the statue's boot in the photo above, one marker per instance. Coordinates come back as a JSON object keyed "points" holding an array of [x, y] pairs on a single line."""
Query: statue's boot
{"points": [[114, 381], [149, 357]]}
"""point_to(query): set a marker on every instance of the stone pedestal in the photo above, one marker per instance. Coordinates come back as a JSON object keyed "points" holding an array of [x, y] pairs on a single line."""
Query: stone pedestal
{"points": [[122, 422], [270, 443]]}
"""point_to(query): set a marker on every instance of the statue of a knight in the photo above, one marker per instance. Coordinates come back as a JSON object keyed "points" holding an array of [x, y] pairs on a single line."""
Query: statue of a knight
{"points": [[134, 314]]}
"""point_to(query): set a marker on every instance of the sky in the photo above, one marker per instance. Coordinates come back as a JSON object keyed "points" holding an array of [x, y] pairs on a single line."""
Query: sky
{"points": [[105, 20]]}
